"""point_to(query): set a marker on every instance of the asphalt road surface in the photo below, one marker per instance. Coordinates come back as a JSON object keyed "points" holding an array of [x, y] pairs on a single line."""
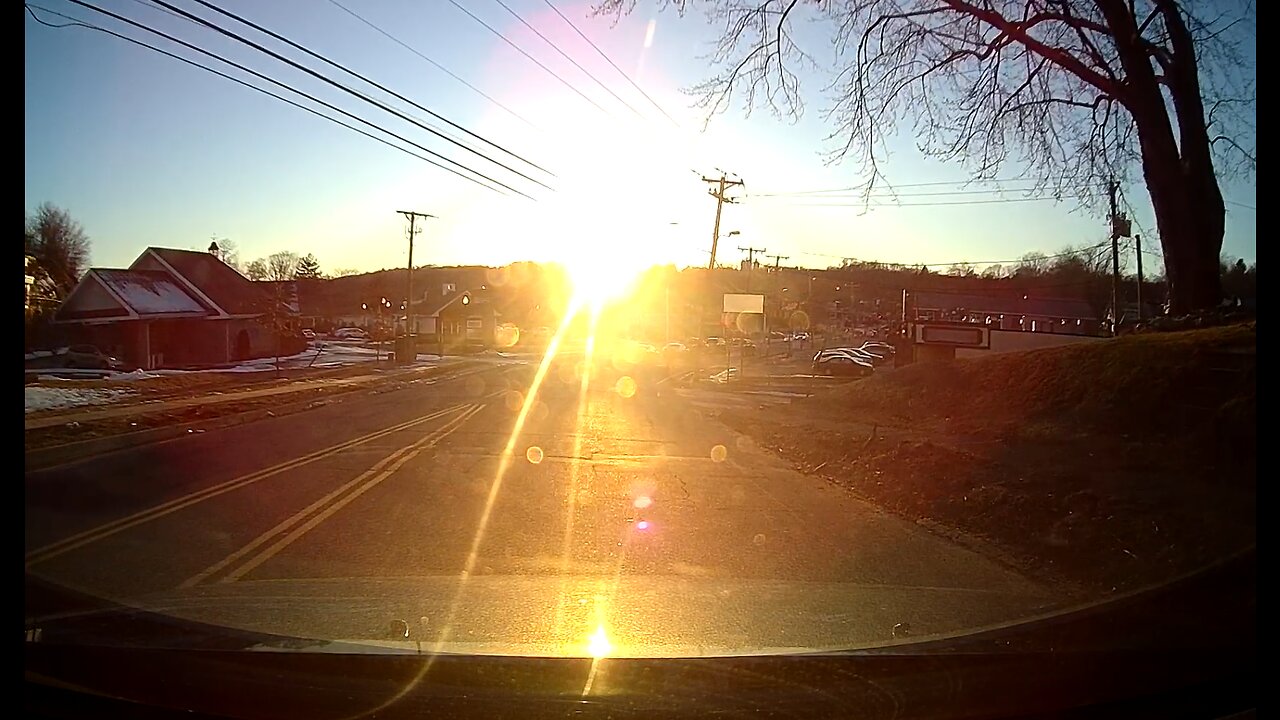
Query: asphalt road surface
{"points": [[614, 522]]}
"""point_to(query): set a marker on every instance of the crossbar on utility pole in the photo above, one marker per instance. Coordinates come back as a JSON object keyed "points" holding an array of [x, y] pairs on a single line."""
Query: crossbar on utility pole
{"points": [[751, 260], [408, 283]]}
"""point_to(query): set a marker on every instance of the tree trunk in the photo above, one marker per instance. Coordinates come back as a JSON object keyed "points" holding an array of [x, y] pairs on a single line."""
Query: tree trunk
{"points": [[1190, 214], [1190, 218]]}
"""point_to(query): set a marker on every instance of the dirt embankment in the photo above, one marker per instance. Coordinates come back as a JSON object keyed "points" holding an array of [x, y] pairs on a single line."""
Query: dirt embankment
{"points": [[1106, 466]]}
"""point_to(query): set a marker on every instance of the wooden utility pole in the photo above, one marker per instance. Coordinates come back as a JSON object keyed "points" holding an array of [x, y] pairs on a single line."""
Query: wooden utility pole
{"points": [[722, 183], [1137, 251], [1115, 258], [408, 283], [777, 260]]}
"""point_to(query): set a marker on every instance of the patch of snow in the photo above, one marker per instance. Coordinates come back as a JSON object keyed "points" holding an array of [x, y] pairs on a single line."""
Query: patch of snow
{"points": [[58, 398], [138, 374], [150, 295]]}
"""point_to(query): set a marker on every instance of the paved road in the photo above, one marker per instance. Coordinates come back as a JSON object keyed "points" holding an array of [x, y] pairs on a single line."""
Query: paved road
{"points": [[628, 521]]}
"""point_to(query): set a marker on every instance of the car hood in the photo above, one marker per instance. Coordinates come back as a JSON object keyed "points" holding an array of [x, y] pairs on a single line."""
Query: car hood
{"points": [[546, 616]]}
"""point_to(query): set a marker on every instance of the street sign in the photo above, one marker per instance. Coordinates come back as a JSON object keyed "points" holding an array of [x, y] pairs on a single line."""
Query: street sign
{"points": [[739, 303]]}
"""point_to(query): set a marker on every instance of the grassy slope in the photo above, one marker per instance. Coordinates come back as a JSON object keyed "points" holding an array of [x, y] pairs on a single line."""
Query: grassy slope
{"points": [[1107, 466]]}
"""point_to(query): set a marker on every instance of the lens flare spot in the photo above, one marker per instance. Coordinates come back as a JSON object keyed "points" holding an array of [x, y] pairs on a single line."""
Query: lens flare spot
{"points": [[799, 320], [513, 399], [642, 525], [539, 411], [743, 443], [533, 454], [643, 502], [719, 453], [758, 539], [506, 335], [626, 386], [598, 645]]}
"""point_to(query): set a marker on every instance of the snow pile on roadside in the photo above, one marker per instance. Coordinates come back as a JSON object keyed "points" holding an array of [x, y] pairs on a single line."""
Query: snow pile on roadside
{"points": [[59, 398], [138, 374]]}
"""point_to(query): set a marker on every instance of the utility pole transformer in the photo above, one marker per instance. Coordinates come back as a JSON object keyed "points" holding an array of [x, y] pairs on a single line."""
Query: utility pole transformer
{"points": [[408, 283]]}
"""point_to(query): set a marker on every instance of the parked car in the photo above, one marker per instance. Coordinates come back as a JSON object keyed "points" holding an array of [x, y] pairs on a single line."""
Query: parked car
{"points": [[350, 333], [855, 353], [308, 334], [827, 363], [89, 357], [879, 348]]}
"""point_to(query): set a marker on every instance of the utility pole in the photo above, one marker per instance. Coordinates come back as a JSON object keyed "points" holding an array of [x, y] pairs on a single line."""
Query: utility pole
{"points": [[1115, 258], [1137, 251], [777, 260], [408, 282], [723, 183], [751, 260]]}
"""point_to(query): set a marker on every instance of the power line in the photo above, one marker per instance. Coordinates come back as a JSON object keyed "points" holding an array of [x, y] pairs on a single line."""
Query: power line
{"points": [[611, 62], [344, 88], [508, 41], [891, 195], [926, 204], [79, 23], [1066, 253], [435, 64], [273, 81], [939, 183], [1240, 204], [570, 59], [153, 5]]}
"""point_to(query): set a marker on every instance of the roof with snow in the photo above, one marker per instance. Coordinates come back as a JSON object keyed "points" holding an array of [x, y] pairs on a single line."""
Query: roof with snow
{"points": [[130, 294]]}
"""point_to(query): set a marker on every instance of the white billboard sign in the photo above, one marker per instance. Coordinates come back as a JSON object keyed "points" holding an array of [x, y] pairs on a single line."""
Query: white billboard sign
{"points": [[738, 303]]}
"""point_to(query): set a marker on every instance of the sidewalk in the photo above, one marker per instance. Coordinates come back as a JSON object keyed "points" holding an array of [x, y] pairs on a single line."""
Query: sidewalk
{"points": [[95, 413]]}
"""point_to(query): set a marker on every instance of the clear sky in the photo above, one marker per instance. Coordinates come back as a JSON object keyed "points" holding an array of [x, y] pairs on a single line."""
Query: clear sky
{"points": [[144, 150]]}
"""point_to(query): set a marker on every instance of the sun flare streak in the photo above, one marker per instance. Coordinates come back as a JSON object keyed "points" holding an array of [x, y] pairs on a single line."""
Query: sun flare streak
{"points": [[575, 467], [504, 464]]}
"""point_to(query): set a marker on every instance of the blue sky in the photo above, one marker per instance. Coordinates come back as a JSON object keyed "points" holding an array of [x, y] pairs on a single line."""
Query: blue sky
{"points": [[144, 150]]}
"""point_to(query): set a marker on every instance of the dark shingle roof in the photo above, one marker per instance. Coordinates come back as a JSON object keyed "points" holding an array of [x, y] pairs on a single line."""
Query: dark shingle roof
{"points": [[232, 291]]}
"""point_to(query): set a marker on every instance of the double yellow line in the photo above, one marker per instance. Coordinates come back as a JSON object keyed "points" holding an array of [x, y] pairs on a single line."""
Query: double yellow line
{"points": [[106, 530], [297, 525]]}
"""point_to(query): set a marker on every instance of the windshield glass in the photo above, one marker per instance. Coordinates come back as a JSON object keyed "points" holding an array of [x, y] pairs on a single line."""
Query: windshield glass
{"points": [[635, 329]]}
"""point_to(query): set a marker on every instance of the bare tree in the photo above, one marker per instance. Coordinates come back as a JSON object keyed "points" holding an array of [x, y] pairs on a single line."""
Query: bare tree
{"points": [[994, 272], [1032, 264], [228, 252], [1079, 93], [256, 270], [277, 312], [59, 244], [282, 265]]}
